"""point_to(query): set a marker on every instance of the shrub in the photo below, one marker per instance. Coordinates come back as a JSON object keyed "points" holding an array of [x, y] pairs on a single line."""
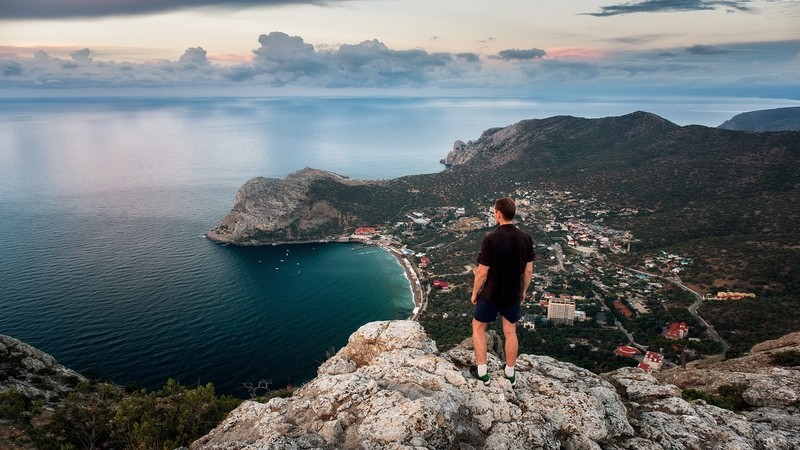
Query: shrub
{"points": [[727, 397], [14, 406], [790, 358]]}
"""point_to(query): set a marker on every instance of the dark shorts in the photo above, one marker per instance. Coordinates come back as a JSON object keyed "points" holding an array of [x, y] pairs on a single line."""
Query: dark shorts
{"points": [[486, 312]]}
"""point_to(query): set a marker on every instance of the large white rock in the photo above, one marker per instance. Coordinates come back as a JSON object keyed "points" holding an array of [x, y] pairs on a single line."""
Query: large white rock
{"points": [[389, 388]]}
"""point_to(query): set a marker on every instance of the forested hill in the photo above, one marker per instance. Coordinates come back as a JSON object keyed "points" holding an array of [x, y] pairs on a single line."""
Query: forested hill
{"points": [[696, 181], [727, 198]]}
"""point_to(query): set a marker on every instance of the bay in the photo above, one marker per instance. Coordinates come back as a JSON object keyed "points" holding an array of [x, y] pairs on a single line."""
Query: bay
{"points": [[104, 201]]}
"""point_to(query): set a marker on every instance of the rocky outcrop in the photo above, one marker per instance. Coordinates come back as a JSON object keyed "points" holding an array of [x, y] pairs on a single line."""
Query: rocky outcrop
{"points": [[389, 387], [771, 391], [459, 154], [33, 372], [271, 210]]}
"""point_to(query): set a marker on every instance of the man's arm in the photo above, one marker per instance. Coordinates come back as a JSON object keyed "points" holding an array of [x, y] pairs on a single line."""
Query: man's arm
{"points": [[527, 275], [481, 272]]}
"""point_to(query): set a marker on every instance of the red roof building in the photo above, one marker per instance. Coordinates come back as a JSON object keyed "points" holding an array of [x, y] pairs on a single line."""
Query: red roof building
{"points": [[677, 330], [365, 231], [440, 284], [653, 359]]}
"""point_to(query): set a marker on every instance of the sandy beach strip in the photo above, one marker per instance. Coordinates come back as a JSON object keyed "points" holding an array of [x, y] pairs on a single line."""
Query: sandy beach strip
{"points": [[418, 295]]}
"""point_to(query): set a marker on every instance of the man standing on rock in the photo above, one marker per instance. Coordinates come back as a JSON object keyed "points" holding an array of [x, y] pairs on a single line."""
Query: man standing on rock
{"points": [[505, 269]]}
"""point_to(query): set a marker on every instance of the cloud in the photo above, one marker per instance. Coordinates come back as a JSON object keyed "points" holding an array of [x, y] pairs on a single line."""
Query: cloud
{"points": [[705, 50], [81, 56], [58, 9], [280, 60], [516, 54], [469, 57], [649, 6], [284, 59], [194, 56]]}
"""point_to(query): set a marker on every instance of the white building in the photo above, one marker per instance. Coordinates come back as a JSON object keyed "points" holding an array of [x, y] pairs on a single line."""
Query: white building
{"points": [[561, 310]]}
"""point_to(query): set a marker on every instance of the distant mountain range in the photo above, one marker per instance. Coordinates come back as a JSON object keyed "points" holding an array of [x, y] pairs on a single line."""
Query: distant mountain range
{"points": [[780, 119]]}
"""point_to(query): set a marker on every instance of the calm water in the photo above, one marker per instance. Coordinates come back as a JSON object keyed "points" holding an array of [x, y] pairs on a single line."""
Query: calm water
{"points": [[103, 203]]}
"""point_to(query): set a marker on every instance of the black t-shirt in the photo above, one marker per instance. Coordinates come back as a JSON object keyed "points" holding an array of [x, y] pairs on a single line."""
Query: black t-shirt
{"points": [[506, 251]]}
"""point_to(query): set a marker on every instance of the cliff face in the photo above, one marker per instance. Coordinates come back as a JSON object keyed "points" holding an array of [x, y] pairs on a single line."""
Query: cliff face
{"points": [[270, 209], [390, 388], [33, 372]]}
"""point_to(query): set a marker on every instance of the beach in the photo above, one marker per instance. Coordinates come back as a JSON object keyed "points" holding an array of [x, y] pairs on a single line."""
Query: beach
{"points": [[418, 295]]}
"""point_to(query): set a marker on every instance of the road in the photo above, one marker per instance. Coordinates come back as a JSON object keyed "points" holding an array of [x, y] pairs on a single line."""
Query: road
{"points": [[698, 300]]}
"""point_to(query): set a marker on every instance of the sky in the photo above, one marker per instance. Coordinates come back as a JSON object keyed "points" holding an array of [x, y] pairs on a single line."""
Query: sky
{"points": [[463, 47]]}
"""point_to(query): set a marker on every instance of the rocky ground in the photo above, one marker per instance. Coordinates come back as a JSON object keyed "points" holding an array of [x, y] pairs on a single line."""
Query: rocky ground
{"points": [[391, 388], [33, 372]]}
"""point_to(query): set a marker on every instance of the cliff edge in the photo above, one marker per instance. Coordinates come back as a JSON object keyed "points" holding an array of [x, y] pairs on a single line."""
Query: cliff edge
{"points": [[33, 372], [389, 387]]}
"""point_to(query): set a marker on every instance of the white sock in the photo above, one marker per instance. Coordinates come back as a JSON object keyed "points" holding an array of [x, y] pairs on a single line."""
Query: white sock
{"points": [[509, 371], [482, 370]]}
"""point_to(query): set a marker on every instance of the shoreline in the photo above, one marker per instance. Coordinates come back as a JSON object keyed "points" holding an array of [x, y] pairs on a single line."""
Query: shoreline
{"points": [[414, 284], [417, 295]]}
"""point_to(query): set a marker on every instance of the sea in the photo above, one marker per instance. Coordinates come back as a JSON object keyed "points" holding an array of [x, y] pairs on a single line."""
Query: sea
{"points": [[104, 202]]}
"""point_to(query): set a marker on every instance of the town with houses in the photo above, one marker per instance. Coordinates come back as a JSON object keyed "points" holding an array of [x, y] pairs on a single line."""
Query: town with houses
{"points": [[575, 283]]}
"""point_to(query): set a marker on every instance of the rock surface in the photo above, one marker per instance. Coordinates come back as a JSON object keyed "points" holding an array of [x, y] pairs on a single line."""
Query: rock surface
{"points": [[274, 210], [33, 372], [389, 388], [772, 391]]}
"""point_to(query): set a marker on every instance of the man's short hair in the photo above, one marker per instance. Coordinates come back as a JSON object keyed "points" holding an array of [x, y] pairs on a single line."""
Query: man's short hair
{"points": [[507, 207]]}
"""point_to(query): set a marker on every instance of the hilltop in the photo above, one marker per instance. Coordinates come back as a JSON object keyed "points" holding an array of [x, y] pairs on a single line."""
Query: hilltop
{"points": [[389, 387]]}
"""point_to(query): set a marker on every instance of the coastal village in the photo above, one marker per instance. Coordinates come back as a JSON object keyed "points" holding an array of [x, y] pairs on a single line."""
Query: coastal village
{"points": [[575, 284]]}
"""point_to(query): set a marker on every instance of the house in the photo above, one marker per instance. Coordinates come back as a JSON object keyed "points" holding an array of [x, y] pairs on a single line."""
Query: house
{"points": [[653, 359], [440, 284], [677, 330]]}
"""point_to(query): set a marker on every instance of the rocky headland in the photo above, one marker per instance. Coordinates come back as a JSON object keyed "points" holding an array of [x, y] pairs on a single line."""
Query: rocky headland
{"points": [[268, 210], [389, 388]]}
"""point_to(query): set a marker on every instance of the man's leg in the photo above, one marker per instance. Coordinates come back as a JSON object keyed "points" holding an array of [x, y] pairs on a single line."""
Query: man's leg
{"points": [[479, 341], [512, 344]]}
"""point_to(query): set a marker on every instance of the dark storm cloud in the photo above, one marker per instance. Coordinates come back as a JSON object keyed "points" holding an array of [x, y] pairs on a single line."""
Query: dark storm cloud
{"points": [[58, 9], [516, 54], [649, 6]]}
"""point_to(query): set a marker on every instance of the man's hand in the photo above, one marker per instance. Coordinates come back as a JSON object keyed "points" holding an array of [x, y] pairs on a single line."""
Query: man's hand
{"points": [[481, 272]]}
